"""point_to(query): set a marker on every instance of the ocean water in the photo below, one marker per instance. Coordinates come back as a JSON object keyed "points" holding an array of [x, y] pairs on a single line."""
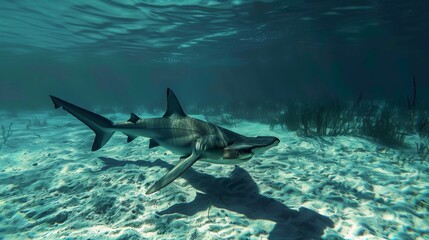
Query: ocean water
{"points": [[337, 89]]}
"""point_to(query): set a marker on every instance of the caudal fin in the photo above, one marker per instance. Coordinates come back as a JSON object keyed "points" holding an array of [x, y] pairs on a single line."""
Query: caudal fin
{"points": [[99, 124]]}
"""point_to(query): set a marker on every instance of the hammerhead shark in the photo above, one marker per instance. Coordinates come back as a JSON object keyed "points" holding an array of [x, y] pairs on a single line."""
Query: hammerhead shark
{"points": [[191, 138]]}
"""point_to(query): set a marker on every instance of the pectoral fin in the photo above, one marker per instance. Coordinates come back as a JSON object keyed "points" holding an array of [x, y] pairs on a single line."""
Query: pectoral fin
{"points": [[178, 170]]}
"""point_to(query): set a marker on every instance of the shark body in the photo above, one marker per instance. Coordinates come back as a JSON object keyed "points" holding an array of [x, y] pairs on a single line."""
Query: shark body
{"points": [[191, 138]]}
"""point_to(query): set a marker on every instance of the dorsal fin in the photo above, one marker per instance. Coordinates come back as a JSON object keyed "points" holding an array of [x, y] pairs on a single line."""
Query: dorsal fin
{"points": [[173, 105], [133, 118]]}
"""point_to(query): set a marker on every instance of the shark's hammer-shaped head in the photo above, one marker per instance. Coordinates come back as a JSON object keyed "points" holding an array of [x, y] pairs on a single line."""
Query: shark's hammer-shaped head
{"points": [[247, 147]]}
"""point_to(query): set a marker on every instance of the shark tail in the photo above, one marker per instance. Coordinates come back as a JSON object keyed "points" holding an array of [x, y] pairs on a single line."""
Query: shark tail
{"points": [[102, 126]]}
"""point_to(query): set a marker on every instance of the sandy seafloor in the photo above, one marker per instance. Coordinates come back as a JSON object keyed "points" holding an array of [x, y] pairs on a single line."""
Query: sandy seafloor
{"points": [[53, 187]]}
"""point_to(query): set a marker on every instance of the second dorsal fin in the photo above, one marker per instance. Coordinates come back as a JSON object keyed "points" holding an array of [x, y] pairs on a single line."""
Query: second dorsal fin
{"points": [[133, 118], [173, 105]]}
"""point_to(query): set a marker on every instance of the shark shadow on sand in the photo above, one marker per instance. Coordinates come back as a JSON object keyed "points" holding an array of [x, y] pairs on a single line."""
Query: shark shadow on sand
{"points": [[240, 194]]}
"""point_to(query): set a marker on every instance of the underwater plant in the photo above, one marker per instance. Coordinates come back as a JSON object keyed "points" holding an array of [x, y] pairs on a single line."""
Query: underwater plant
{"points": [[384, 127], [422, 147], [422, 126], [423, 150], [6, 133], [289, 118], [35, 122], [327, 119], [409, 118], [278, 118]]}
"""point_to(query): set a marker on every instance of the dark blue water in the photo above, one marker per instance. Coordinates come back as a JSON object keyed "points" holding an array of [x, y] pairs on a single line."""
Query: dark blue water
{"points": [[251, 49]]}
